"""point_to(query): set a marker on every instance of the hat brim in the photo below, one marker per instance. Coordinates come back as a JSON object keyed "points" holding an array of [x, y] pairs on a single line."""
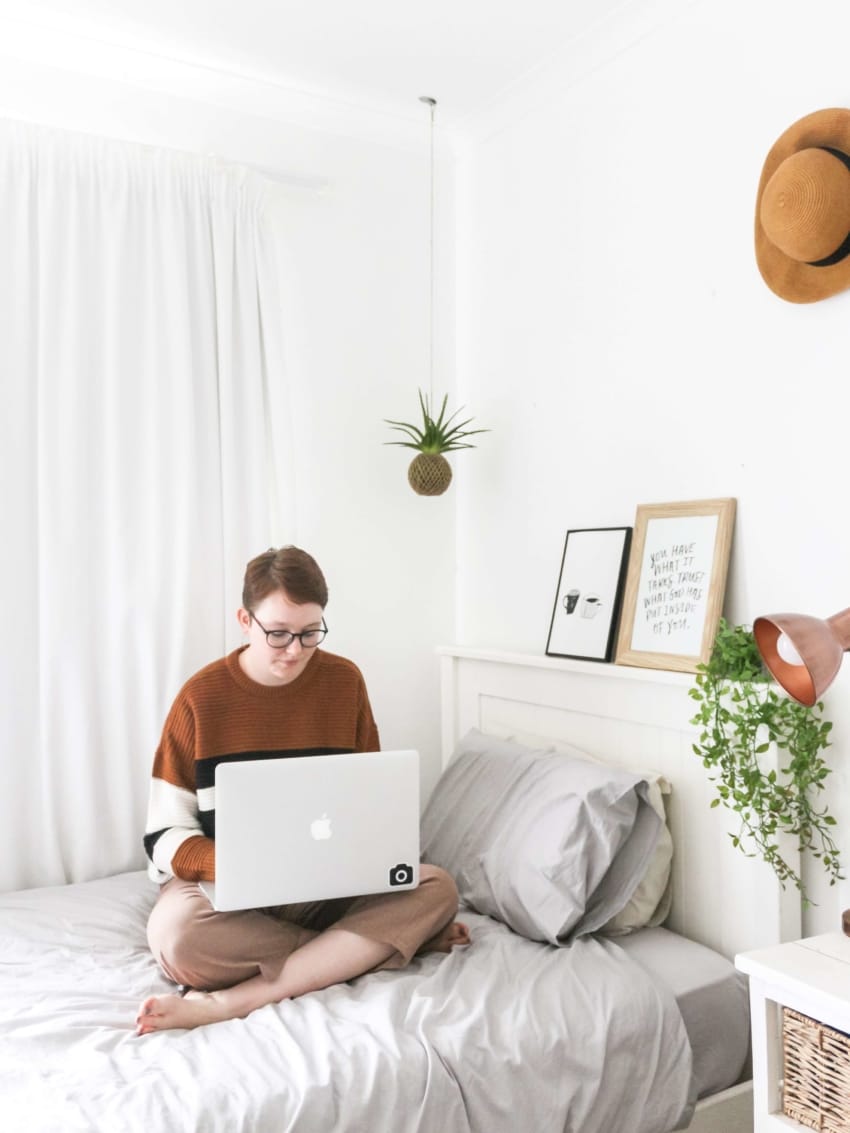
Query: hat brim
{"points": [[788, 278]]}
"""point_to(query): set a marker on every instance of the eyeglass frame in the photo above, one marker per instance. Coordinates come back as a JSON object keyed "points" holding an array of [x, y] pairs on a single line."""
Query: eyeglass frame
{"points": [[292, 636]]}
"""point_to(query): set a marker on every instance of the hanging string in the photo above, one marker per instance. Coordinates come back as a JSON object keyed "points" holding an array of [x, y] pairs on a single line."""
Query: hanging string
{"points": [[431, 103]]}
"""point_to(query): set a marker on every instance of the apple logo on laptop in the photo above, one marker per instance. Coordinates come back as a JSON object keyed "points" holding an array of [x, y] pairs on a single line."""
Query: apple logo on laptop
{"points": [[320, 828]]}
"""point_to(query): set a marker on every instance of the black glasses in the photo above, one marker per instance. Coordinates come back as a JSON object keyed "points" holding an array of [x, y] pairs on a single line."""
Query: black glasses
{"points": [[281, 638]]}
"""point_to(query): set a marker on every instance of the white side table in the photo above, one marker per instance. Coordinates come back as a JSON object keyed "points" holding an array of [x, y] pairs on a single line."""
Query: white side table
{"points": [[811, 976]]}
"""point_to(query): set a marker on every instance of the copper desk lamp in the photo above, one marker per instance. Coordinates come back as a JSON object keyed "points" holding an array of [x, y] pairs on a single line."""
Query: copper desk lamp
{"points": [[803, 655]]}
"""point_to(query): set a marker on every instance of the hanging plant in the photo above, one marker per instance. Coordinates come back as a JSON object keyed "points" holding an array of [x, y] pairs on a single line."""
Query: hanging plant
{"points": [[741, 714], [430, 473]]}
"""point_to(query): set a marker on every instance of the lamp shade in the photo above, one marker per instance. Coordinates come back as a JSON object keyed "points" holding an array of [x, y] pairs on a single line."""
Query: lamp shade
{"points": [[819, 644]]}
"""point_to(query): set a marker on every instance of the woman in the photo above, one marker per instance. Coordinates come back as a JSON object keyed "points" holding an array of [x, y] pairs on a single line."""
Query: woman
{"points": [[277, 695]]}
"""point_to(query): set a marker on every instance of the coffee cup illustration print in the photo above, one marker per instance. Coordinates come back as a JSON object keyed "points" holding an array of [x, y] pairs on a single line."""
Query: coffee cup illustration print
{"points": [[571, 600], [588, 595], [591, 606]]}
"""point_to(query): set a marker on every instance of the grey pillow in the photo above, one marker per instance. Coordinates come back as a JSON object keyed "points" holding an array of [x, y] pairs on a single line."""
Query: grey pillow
{"points": [[550, 844]]}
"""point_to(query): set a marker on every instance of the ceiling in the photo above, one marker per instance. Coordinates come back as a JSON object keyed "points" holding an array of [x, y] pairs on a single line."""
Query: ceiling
{"points": [[372, 53]]}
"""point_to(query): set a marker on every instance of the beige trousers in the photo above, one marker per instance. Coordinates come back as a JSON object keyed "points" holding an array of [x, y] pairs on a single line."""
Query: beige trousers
{"points": [[201, 948]]}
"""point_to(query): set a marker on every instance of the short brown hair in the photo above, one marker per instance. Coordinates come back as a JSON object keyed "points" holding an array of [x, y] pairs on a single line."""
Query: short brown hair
{"points": [[284, 568]]}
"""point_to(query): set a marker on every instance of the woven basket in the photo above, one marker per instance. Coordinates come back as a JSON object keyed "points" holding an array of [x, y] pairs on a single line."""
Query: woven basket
{"points": [[816, 1089]]}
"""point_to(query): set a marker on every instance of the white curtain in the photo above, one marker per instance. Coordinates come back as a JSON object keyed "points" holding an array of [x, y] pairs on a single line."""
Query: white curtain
{"points": [[140, 367]]}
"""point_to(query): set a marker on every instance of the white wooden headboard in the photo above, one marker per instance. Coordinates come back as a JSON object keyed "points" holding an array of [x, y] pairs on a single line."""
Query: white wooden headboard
{"points": [[638, 718]]}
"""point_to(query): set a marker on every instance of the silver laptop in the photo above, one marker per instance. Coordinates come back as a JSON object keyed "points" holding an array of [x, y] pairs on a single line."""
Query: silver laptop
{"points": [[309, 828]]}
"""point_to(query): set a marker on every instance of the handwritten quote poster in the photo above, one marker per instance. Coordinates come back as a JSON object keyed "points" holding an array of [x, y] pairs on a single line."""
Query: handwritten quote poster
{"points": [[673, 590]]}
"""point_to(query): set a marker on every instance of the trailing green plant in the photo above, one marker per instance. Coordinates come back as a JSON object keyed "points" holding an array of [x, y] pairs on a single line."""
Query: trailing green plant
{"points": [[741, 715]]}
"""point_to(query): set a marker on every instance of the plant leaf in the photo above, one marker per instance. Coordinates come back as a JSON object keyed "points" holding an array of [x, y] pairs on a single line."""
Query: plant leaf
{"points": [[435, 435]]}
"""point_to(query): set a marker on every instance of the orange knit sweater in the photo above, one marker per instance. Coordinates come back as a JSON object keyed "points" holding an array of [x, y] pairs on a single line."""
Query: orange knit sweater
{"points": [[221, 715]]}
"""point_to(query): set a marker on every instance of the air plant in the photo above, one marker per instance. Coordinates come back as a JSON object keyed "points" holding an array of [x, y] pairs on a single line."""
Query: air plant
{"points": [[430, 473]]}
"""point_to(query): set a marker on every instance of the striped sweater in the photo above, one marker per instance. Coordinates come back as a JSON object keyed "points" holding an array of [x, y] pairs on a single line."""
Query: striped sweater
{"points": [[222, 715]]}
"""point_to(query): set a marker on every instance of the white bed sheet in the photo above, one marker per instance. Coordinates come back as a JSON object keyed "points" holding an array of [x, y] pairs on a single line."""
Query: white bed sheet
{"points": [[505, 1034]]}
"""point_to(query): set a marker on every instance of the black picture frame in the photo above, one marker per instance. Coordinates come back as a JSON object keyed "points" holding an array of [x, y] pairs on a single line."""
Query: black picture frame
{"points": [[590, 593]]}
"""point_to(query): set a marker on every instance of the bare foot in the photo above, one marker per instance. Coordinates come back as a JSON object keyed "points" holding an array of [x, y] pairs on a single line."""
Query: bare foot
{"points": [[454, 935], [198, 1008], [166, 1012]]}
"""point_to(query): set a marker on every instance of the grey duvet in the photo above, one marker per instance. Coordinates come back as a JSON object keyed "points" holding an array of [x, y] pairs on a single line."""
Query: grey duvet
{"points": [[505, 1036]]}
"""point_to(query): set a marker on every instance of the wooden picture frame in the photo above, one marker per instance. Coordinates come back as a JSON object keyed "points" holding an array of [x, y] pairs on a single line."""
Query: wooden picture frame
{"points": [[676, 584], [589, 595]]}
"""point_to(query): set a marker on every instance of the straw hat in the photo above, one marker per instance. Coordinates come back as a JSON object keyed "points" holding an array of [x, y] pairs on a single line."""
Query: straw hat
{"points": [[803, 209]]}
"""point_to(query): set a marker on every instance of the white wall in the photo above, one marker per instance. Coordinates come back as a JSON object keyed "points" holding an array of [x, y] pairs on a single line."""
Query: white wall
{"points": [[614, 328], [352, 235]]}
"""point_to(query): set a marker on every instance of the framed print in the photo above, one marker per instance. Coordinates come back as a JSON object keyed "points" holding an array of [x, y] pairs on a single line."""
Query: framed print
{"points": [[590, 589], [675, 584]]}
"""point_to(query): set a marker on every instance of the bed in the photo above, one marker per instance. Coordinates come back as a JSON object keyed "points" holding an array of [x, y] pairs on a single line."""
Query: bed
{"points": [[587, 1032]]}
